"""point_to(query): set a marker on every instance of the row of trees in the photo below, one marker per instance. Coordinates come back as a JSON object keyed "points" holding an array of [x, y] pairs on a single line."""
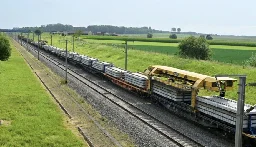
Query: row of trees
{"points": [[92, 28], [172, 36], [48, 28], [122, 30]]}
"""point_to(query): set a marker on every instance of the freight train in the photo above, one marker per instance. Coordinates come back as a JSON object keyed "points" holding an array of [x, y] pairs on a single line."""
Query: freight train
{"points": [[175, 89]]}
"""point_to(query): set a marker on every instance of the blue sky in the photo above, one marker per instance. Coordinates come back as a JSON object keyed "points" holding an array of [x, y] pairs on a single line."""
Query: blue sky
{"points": [[235, 17]]}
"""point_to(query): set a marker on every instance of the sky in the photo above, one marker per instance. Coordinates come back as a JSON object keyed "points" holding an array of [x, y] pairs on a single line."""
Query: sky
{"points": [[225, 17]]}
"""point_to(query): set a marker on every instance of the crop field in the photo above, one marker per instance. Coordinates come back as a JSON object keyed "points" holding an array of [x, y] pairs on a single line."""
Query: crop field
{"points": [[139, 60], [30, 117]]}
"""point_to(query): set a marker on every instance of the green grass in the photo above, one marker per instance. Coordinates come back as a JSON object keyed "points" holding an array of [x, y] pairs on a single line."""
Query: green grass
{"points": [[33, 119], [139, 60]]}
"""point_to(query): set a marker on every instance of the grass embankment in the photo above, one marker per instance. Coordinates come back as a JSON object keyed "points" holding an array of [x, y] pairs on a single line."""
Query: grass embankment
{"points": [[30, 117], [140, 60]]}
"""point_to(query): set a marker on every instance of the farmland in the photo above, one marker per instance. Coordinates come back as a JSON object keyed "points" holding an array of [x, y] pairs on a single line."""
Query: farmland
{"points": [[139, 60], [231, 42], [30, 117], [216, 37], [221, 53]]}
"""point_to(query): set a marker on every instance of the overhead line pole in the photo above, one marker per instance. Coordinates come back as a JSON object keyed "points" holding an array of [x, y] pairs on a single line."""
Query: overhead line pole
{"points": [[51, 39], [38, 49], [66, 62], [240, 107], [21, 38], [27, 40], [126, 55], [73, 43], [240, 111]]}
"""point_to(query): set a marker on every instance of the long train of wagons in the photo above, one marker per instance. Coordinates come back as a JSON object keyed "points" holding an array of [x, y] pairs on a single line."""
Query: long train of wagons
{"points": [[175, 89]]}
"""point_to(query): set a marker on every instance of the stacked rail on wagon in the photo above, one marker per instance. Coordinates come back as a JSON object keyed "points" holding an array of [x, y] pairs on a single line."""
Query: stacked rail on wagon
{"points": [[224, 109], [136, 79], [98, 65], [87, 61], [115, 72], [170, 92], [77, 58], [71, 55]]}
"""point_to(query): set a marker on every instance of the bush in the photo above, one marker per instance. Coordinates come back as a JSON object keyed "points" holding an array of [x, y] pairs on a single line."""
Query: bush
{"points": [[5, 48], [209, 37], [149, 35], [173, 36], [193, 47], [252, 60]]}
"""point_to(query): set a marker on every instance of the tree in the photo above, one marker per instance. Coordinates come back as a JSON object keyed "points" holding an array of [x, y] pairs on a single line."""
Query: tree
{"points": [[173, 36], [5, 48], [38, 32], [193, 47], [179, 30], [173, 29], [150, 30], [78, 33], [208, 37], [149, 35]]}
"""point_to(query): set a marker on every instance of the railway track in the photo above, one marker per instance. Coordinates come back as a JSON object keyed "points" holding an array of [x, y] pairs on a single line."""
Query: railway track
{"points": [[165, 130]]}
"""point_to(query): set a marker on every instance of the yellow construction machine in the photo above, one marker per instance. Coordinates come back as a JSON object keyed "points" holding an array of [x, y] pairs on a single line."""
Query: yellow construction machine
{"points": [[189, 81]]}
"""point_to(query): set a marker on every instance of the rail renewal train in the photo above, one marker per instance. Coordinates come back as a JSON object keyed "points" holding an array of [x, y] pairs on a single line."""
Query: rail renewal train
{"points": [[175, 89]]}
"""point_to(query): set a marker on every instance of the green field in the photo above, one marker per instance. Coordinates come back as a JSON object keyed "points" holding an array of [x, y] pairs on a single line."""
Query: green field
{"points": [[139, 60], [221, 53], [30, 116]]}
